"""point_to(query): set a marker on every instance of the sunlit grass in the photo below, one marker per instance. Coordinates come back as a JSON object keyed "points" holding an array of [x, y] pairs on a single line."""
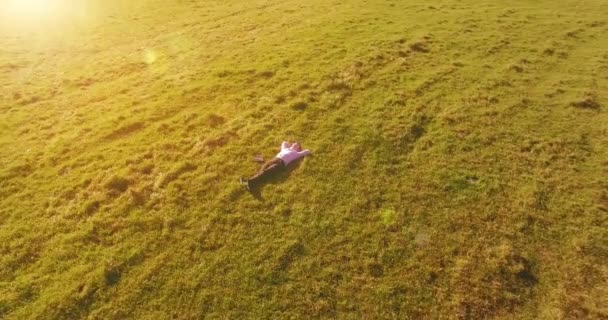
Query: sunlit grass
{"points": [[458, 170]]}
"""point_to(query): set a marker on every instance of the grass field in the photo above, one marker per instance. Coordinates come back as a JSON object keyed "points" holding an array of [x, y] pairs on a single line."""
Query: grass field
{"points": [[459, 167]]}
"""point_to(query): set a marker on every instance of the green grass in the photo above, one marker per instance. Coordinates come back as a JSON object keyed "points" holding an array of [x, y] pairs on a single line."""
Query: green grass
{"points": [[459, 167]]}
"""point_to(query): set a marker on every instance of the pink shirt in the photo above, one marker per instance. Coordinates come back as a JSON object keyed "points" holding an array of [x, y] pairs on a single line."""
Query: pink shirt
{"points": [[290, 153]]}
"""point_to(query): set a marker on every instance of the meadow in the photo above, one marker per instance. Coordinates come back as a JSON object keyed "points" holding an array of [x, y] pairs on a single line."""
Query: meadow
{"points": [[459, 164]]}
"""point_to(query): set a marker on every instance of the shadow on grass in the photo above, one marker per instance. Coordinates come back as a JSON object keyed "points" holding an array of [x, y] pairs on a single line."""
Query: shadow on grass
{"points": [[278, 178]]}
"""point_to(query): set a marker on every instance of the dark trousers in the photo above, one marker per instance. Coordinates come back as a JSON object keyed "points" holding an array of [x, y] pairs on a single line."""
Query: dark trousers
{"points": [[269, 168]]}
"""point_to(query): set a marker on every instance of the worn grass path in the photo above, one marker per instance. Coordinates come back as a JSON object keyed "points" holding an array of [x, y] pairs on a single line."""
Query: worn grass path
{"points": [[459, 168]]}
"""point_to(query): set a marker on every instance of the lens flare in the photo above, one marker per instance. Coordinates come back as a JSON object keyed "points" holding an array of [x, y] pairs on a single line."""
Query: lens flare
{"points": [[150, 56]]}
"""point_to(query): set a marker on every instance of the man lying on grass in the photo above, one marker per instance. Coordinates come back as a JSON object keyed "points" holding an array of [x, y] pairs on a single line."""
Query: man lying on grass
{"points": [[288, 154]]}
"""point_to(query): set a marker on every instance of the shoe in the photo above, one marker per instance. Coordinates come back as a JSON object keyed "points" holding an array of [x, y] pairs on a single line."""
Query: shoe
{"points": [[244, 183]]}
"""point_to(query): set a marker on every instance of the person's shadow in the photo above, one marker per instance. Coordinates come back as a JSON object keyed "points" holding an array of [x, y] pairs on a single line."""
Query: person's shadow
{"points": [[280, 177]]}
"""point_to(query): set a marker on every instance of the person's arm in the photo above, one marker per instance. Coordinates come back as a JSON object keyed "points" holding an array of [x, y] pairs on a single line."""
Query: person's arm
{"points": [[304, 153], [284, 145]]}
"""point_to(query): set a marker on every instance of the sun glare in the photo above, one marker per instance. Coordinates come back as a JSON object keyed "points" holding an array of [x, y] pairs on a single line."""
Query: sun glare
{"points": [[31, 8], [40, 14]]}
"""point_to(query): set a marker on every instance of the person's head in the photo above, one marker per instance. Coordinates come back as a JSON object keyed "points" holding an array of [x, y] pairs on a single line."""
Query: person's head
{"points": [[296, 146]]}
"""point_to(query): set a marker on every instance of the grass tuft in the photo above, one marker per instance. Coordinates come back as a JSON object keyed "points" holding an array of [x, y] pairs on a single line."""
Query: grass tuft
{"points": [[117, 184]]}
